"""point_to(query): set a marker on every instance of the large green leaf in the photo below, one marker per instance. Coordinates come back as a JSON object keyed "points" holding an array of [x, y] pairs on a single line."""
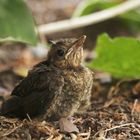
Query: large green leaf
{"points": [[119, 56], [16, 22]]}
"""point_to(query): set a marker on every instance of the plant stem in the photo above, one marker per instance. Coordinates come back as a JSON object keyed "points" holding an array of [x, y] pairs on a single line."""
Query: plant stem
{"points": [[90, 19]]}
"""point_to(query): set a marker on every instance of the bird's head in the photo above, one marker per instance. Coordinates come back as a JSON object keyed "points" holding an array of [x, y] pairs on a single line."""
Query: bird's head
{"points": [[66, 53]]}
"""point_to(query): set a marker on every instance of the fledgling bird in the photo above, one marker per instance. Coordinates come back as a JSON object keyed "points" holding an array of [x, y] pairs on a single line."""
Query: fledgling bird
{"points": [[57, 87]]}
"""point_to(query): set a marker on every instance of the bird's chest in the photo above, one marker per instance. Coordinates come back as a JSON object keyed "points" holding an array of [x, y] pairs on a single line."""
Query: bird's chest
{"points": [[73, 80], [76, 83]]}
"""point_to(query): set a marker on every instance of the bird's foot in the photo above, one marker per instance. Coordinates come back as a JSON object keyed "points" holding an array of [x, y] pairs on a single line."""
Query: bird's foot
{"points": [[67, 126]]}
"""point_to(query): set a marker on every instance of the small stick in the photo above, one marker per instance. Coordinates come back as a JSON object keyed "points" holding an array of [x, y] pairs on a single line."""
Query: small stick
{"points": [[134, 106], [29, 118], [115, 127], [14, 129], [137, 129], [86, 134], [119, 126]]}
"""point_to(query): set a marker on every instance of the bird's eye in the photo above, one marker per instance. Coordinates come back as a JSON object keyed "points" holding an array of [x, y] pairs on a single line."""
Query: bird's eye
{"points": [[60, 52]]}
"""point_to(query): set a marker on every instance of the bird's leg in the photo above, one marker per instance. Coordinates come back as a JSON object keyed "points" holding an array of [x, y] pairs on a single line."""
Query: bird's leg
{"points": [[85, 104]]}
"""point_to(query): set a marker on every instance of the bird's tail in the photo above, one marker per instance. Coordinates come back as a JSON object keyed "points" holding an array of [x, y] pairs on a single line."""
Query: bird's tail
{"points": [[10, 105]]}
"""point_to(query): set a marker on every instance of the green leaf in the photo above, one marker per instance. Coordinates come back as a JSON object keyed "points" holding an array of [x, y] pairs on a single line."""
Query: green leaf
{"points": [[16, 22], [119, 56], [131, 20]]}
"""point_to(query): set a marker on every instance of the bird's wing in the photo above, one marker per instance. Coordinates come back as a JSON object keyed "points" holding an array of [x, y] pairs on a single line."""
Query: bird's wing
{"points": [[38, 80], [35, 92]]}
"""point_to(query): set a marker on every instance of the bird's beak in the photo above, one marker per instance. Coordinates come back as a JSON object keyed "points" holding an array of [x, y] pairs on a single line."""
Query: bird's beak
{"points": [[79, 42], [77, 46]]}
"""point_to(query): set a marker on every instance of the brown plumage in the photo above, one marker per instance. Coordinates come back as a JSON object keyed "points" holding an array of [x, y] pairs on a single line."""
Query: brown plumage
{"points": [[57, 87]]}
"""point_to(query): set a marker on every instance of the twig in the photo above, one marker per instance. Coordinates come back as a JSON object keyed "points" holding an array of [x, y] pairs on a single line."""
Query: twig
{"points": [[73, 136], [119, 126], [137, 129], [97, 133], [13, 130], [134, 106], [90, 19], [114, 90], [86, 134], [138, 125], [29, 118], [115, 127]]}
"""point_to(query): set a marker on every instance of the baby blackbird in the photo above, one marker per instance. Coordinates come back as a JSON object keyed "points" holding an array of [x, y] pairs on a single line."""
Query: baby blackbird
{"points": [[57, 87]]}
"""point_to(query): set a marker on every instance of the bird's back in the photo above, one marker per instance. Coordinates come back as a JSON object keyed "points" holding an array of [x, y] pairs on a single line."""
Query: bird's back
{"points": [[34, 93]]}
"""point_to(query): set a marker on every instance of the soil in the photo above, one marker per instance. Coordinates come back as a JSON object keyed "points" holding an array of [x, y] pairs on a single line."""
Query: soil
{"points": [[115, 104]]}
